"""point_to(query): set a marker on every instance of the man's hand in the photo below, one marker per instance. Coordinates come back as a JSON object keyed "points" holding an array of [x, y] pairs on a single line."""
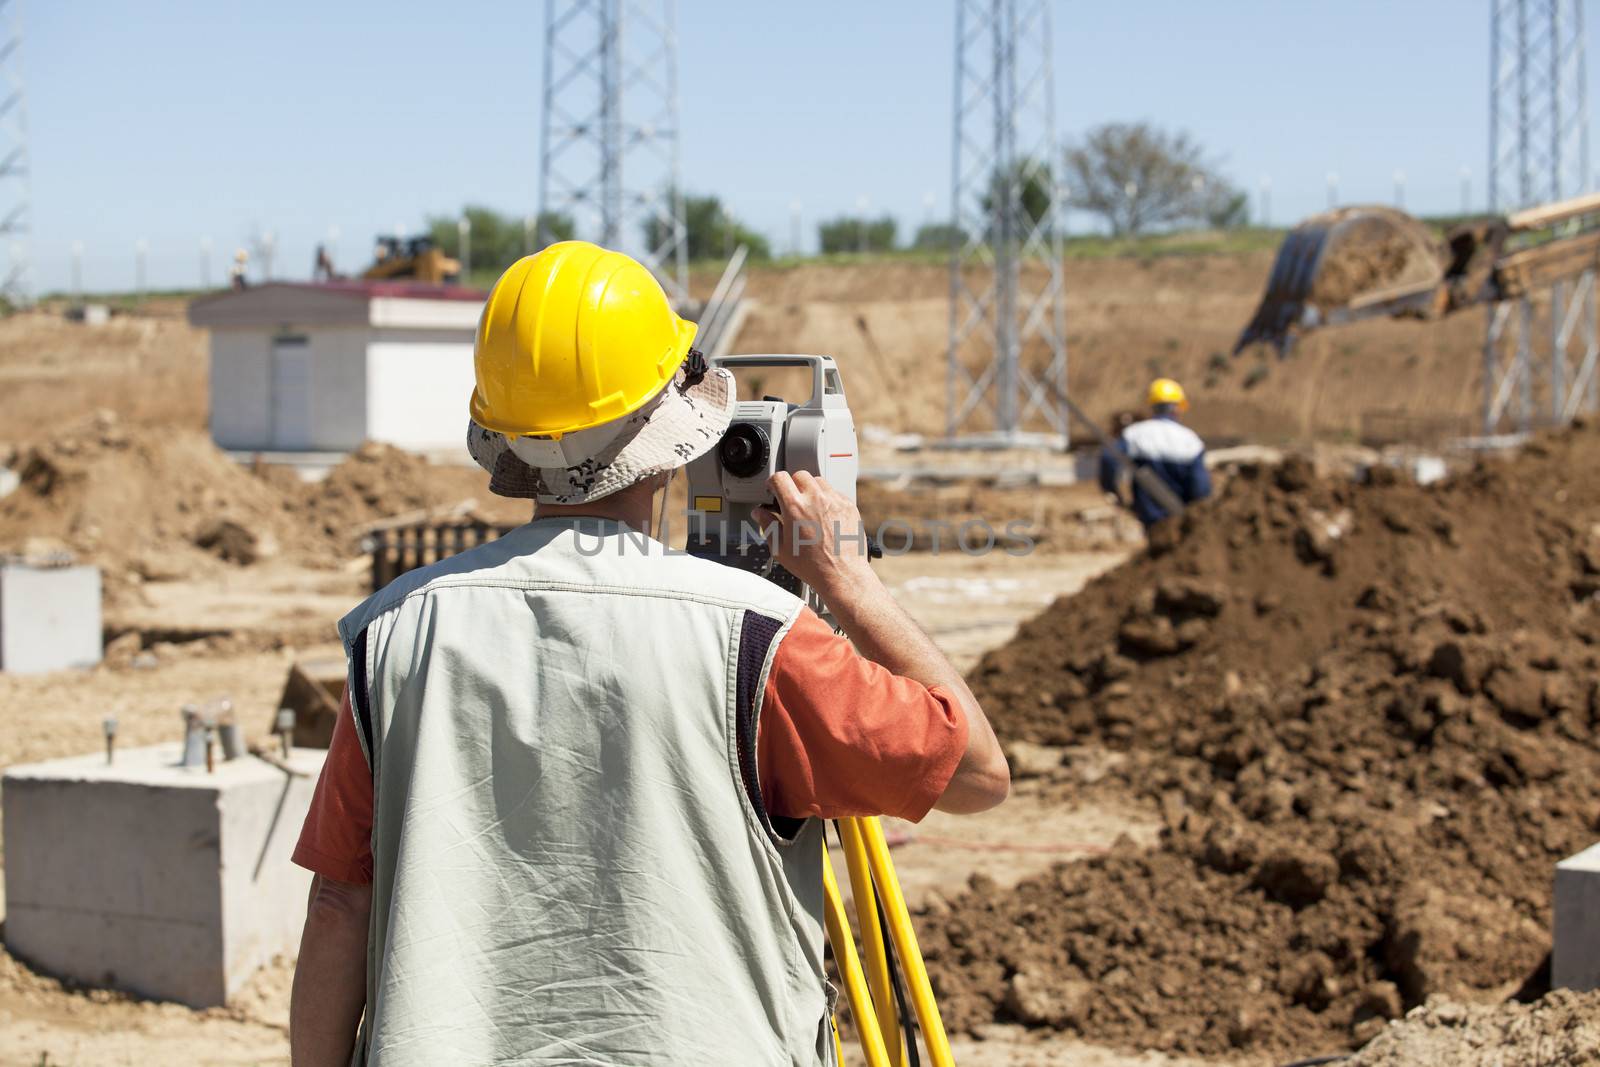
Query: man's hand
{"points": [[819, 537]]}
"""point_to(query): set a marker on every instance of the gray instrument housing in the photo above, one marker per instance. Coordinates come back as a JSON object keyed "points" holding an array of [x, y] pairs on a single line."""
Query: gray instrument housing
{"points": [[817, 435]]}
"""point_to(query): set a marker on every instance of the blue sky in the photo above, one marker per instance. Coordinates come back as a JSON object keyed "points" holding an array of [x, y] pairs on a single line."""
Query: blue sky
{"points": [[184, 119]]}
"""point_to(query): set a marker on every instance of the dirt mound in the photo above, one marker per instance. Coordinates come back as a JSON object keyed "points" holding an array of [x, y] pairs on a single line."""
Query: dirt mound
{"points": [[379, 481], [163, 503], [1562, 1028], [1283, 566], [132, 496], [1368, 716]]}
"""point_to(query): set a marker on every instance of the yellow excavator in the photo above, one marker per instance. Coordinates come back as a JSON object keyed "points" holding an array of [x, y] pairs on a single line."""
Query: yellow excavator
{"points": [[412, 259], [1361, 262]]}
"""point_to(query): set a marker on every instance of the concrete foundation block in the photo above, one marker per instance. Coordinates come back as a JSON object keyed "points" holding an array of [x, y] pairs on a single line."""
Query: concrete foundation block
{"points": [[49, 617], [1575, 953], [144, 876]]}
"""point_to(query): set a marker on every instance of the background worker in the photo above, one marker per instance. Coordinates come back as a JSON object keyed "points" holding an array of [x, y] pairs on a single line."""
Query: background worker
{"points": [[1163, 445], [238, 276], [571, 814]]}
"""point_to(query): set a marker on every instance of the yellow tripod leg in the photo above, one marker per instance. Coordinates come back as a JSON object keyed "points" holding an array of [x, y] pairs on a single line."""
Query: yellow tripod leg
{"points": [[844, 954], [838, 1046], [872, 949], [905, 943]]}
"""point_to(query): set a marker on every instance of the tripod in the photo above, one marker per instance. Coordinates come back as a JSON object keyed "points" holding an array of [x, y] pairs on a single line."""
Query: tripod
{"points": [[871, 981]]}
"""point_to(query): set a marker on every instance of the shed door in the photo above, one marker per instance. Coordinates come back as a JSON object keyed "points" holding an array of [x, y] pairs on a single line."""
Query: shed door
{"points": [[291, 393]]}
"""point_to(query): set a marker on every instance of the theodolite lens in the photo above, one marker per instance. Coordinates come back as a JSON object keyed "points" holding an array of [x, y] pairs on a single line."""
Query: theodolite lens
{"points": [[744, 450]]}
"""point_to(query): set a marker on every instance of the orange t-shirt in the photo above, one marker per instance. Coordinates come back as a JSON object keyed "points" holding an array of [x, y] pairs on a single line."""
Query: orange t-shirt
{"points": [[838, 735]]}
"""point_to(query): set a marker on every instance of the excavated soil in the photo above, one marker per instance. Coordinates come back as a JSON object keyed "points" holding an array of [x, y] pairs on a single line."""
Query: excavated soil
{"points": [[1378, 251], [1367, 713], [165, 502], [1562, 1029], [139, 497], [1130, 319], [378, 481]]}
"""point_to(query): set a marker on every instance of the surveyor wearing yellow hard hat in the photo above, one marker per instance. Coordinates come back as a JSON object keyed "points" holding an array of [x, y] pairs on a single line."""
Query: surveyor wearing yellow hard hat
{"points": [[587, 380], [1164, 446], [573, 808]]}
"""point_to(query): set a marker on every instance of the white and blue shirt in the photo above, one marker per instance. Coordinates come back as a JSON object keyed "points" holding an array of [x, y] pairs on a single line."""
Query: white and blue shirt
{"points": [[1174, 452]]}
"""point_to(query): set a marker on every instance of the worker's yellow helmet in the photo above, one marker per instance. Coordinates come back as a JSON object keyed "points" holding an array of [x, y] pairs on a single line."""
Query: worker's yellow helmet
{"points": [[1167, 391], [571, 338]]}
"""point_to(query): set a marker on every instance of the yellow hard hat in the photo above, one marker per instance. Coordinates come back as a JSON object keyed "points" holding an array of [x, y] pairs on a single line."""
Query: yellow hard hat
{"points": [[570, 338], [1167, 391]]}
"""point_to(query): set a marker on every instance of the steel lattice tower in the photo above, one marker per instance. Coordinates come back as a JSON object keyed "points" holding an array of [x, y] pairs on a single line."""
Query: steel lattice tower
{"points": [[1538, 103], [1538, 152], [1008, 341], [609, 149], [16, 207]]}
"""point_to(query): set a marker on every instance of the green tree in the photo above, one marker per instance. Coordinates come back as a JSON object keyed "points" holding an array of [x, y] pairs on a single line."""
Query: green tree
{"points": [[550, 227], [711, 231], [852, 233], [1033, 179], [937, 237], [495, 240], [1224, 207], [1138, 177]]}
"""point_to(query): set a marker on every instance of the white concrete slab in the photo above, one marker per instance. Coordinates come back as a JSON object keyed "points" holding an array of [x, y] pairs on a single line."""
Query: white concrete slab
{"points": [[144, 876], [1575, 952], [49, 618]]}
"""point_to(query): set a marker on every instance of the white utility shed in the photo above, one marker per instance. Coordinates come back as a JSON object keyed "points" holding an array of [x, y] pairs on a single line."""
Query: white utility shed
{"points": [[322, 368]]}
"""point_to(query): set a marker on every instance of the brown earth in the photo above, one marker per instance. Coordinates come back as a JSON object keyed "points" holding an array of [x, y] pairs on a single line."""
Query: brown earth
{"points": [[149, 368], [143, 492], [1284, 565], [379, 481], [1128, 319], [1368, 715], [156, 503], [1381, 249], [116, 492], [1562, 1030]]}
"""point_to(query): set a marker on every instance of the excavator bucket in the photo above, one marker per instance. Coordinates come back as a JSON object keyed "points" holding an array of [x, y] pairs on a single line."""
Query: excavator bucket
{"points": [[1347, 264]]}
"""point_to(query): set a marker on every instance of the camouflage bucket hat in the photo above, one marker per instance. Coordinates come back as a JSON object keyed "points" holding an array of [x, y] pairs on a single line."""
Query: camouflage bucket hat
{"points": [[679, 423]]}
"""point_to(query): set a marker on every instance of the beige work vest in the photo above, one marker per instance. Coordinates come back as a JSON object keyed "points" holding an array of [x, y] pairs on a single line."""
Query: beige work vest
{"points": [[570, 860]]}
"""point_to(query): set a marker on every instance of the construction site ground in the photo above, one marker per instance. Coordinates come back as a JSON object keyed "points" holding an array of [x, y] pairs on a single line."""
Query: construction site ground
{"points": [[1160, 781]]}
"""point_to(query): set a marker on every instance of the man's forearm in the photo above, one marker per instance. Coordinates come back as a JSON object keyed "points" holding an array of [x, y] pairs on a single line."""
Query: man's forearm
{"points": [[330, 979], [814, 541], [885, 633]]}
